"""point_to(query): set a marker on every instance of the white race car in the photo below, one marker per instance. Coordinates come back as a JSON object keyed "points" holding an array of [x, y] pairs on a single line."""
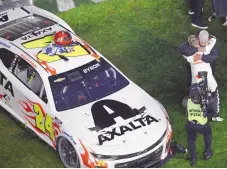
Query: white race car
{"points": [[74, 98]]}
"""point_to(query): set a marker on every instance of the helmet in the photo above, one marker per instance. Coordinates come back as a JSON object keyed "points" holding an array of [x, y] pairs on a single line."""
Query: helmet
{"points": [[195, 94], [63, 38]]}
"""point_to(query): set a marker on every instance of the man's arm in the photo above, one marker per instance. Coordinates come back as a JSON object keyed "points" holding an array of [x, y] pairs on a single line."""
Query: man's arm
{"points": [[188, 50], [209, 58]]}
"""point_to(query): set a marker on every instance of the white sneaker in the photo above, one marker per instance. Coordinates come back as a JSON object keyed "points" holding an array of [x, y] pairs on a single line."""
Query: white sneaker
{"points": [[190, 12], [218, 119]]}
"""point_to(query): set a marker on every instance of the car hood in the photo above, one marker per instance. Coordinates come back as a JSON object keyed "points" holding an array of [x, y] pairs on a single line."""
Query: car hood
{"points": [[129, 133]]}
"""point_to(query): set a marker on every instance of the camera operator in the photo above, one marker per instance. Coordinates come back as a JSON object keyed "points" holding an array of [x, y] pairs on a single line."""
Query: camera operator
{"points": [[197, 123], [203, 56]]}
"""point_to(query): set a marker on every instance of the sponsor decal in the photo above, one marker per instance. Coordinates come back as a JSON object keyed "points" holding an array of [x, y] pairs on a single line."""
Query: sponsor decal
{"points": [[4, 17], [70, 137], [110, 110], [90, 68], [119, 131], [3, 44], [41, 121], [28, 60], [36, 33], [6, 84], [59, 80]]}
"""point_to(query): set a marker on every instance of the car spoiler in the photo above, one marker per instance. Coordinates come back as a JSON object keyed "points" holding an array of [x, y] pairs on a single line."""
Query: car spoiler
{"points": [[10, 4]]}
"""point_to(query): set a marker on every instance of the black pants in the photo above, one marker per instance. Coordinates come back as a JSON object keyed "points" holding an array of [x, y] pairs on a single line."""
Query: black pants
{"points": [[212, 2], [192, 130], [192, 5], [215, 103], [197, 7]]}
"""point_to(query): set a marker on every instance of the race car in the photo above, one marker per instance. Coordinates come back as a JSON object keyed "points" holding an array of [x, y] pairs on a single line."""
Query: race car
{"points": [[74, 98]]}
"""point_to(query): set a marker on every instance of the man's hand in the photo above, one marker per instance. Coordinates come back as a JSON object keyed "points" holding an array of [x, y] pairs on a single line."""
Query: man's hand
{"points": [[197, 57], [201, 49]]}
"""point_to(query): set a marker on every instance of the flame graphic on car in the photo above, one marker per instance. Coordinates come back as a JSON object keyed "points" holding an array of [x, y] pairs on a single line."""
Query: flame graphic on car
{"points": [[46, 66], [30, 116], [87, 47], [87, 159]]}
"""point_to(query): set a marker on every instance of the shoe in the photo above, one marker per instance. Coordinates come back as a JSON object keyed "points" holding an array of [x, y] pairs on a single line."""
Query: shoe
{"points": [[224, 24], [218, 119], [208, 154], [190, 12], [213, 16], [199, 25], [193, 162]]}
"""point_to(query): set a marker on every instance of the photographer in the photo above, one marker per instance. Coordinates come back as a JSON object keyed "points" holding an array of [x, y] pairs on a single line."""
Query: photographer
{"points": [[197, 123]]}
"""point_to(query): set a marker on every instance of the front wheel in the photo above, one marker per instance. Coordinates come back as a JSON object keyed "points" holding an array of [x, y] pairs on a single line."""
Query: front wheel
{"points": [[68, 154]]}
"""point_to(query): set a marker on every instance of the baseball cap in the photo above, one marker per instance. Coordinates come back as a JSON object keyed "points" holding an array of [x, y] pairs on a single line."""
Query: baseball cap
{"points": [[203, 36]]}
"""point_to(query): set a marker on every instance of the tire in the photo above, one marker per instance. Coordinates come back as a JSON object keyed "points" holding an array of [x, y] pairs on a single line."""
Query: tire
{"points": [[68, 154]]}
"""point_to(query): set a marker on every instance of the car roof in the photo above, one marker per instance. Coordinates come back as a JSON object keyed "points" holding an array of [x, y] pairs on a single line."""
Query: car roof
{"points": [[32, 39]]}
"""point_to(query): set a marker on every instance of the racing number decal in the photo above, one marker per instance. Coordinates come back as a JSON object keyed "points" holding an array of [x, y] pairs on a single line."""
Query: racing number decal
{"points": [[39, 43], [39, 118], [45, 41], [43, 123]]}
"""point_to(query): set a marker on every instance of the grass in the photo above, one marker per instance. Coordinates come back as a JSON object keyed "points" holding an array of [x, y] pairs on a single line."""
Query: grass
{"points": [[142, 39], [51, 5]]}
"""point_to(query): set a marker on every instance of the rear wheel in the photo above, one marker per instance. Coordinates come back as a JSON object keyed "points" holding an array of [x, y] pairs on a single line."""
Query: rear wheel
{"points": [[68, 154]]}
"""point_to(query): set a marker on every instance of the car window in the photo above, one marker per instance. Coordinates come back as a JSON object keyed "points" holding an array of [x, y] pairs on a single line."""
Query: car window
{"points": [[24, 72], [85, 84], [24, 26], [7, 57]]}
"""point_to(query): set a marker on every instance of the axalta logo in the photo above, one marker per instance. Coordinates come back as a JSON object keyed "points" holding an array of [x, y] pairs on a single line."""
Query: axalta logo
{"points": [[106, 112], [134, 125], [4, 17], [36, 33], [6, 84]]}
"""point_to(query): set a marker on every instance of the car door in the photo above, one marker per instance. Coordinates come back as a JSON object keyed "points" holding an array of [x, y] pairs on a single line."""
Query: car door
{"points": [[30, 102]]}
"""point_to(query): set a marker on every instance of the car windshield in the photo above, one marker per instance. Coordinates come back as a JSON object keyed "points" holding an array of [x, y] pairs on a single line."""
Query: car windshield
{"points": [[85, 84]]}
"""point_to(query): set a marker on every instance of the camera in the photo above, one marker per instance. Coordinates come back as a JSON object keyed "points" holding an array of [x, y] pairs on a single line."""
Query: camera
{"points": [[199, 92]]}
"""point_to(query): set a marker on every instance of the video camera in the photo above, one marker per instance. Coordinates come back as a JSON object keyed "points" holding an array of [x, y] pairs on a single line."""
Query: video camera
{"points": [[203, 91]]}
